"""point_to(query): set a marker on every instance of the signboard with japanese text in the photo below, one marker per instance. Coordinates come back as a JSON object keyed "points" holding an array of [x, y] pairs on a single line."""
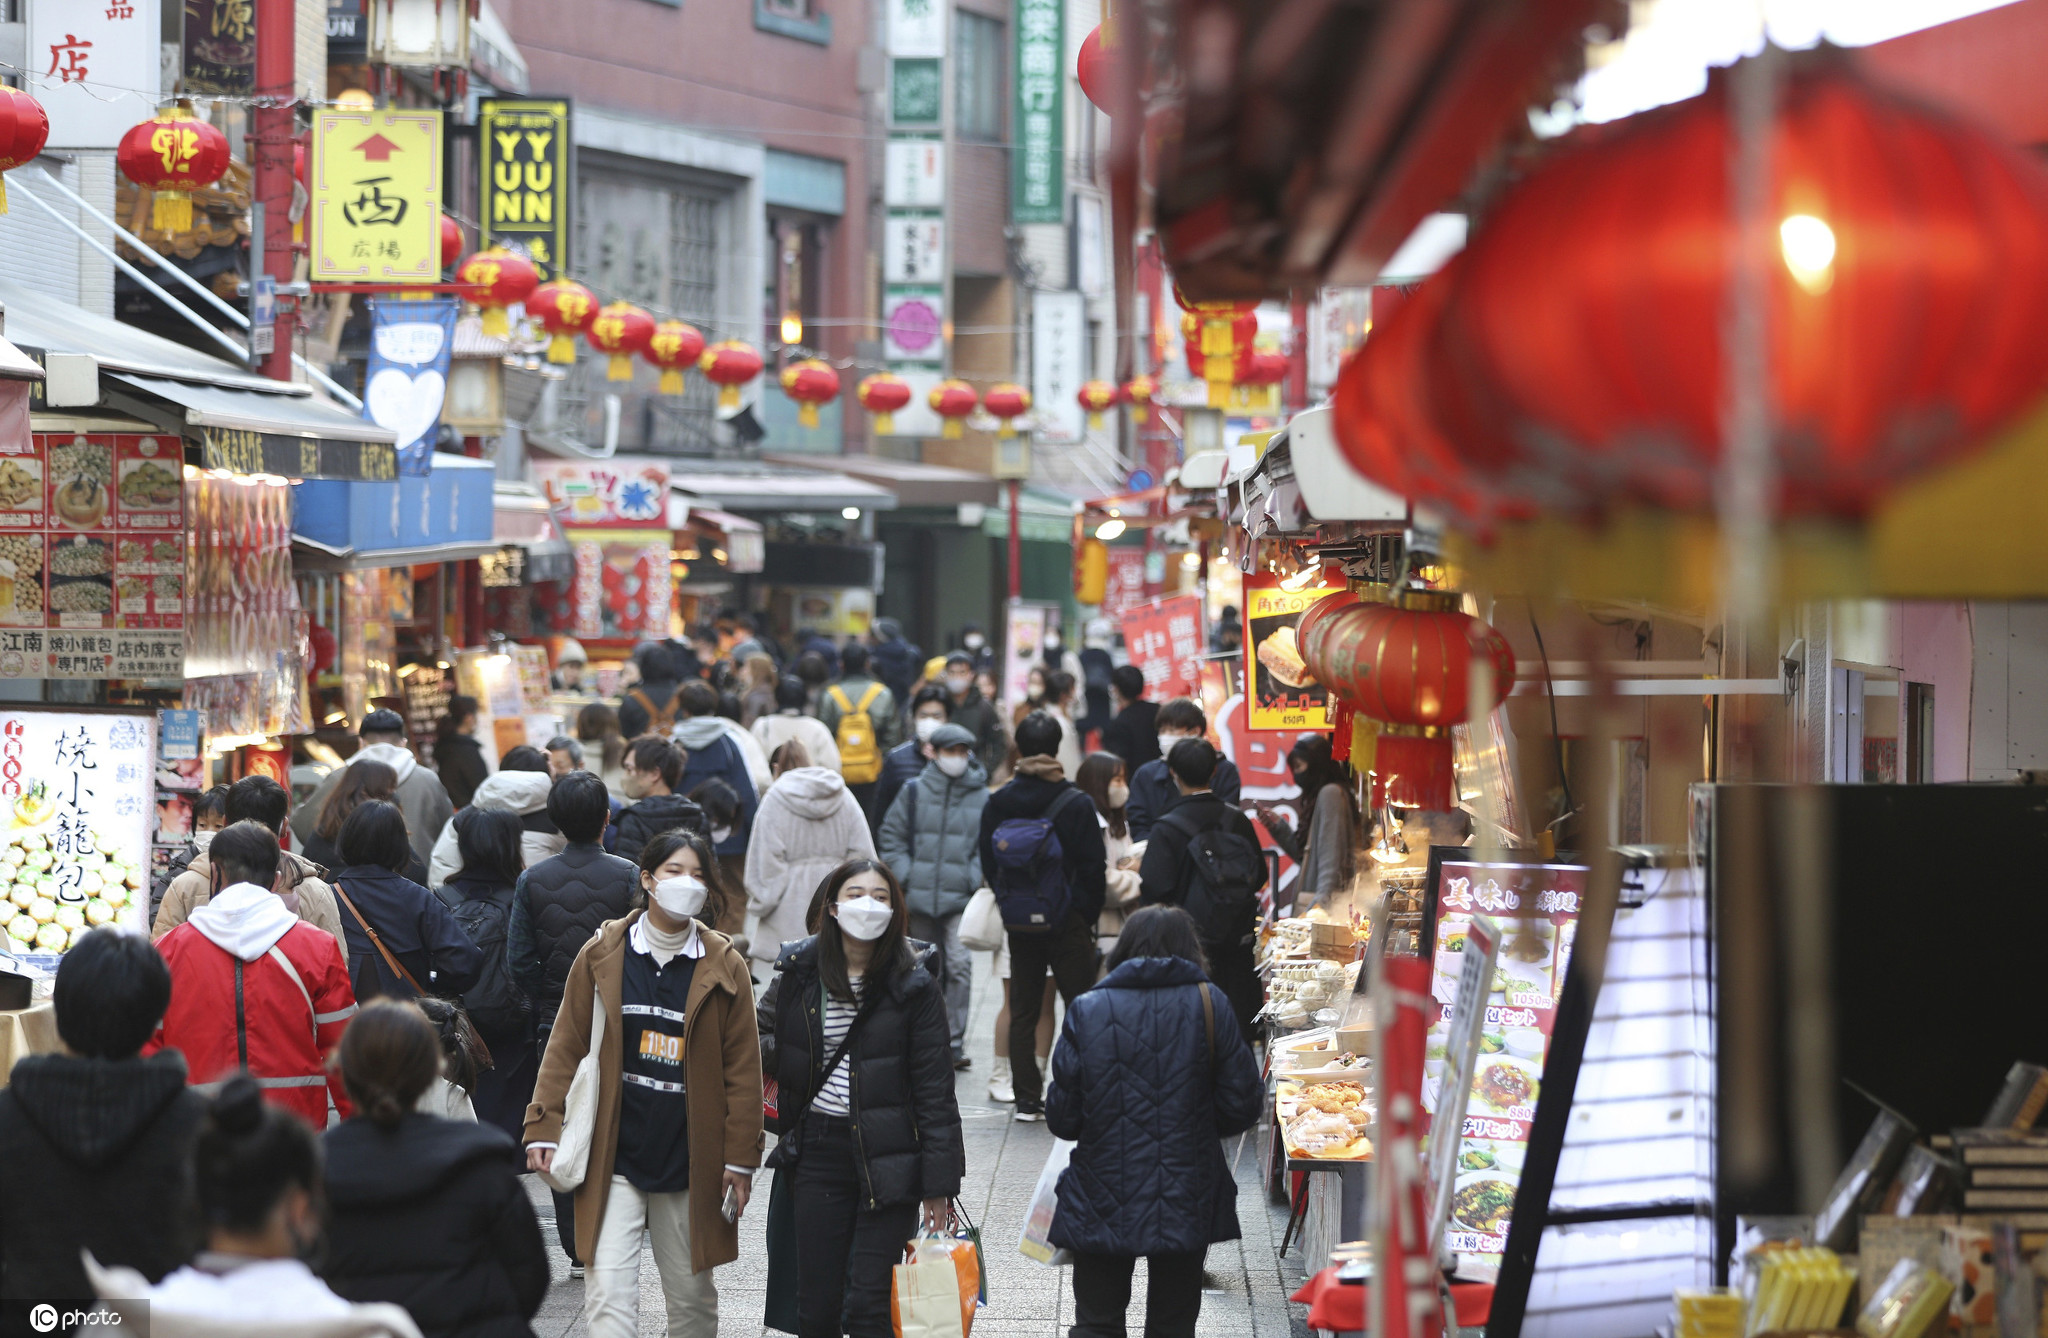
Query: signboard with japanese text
{"points": [[1464, 1035], [914, 175], [178, 735], [1166, 641], [917, 27], [1126, 590], [406, 382], [1280, 693], [78, 789], [914, 248], [624, 492], [1038, 191], [1059, 363], [95, 65], [376, 185], [220, 46], [523, 144]]}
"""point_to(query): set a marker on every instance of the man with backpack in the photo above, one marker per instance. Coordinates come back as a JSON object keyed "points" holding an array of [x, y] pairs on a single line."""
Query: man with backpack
{"points": [[1042, 854], [861, 713], [1203, 856], [649, 706]]}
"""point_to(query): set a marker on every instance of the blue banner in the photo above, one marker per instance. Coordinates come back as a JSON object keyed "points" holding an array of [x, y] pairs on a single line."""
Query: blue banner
{"points": [[407, 381]]}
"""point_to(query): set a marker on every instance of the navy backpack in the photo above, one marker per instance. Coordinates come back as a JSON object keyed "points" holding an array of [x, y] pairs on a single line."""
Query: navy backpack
{"points": [[1030, 879]]}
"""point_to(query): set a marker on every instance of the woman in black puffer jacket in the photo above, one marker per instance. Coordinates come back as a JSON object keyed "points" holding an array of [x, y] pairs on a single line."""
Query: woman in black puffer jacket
{"points": [[1151, 1074], [878, 1132]]}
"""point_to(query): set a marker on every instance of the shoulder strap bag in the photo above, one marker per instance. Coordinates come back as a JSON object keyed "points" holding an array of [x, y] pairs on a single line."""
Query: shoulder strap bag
{"points": [[378, 943], [579, 1111]]}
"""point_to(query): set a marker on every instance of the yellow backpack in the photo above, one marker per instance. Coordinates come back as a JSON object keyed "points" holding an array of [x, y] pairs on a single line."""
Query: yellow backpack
{"points": [[860, 757]]}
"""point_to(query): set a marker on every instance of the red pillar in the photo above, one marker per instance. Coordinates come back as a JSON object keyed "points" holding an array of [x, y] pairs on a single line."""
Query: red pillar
{"points": [[1016, 552], [270, 149]]}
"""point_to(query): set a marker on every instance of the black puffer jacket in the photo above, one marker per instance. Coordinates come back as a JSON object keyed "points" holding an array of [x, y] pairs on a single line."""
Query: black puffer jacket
{"points": [[431, 1216], [94, 1154], [902, 1070], [641, 822], [557, 906]]}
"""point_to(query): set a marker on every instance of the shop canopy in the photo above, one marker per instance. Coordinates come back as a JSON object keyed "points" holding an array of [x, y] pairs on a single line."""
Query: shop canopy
{"points": [[246, 423], [444, 516], [748, 486], [914, 484]]}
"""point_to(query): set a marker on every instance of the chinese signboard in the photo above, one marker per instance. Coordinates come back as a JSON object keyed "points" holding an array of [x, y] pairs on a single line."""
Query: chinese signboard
{"points": [[1279, 692], [407, 381], [1059, 363], [914, 248], [220, 46], [1165, 641], [620, 493], [917, 27], [376, 209], [914, 174], [1126, 582], [524, 148], [1038, 192], [95, 65]]}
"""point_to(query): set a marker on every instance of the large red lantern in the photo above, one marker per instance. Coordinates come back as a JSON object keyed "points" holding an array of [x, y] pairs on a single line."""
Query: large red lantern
{"points": [[1582, 350], [172, 154], [1224, 368], [1095, 68], [565, 309], [729, 364], [673, 346], [1138, 393], [1409, 665], [1008, 403], [451, 241], [1098, 398], [1313, 621], [1265, 369], [496, 279], [882, 395], [952, 400], [810, 383], [24, 129], [620, 330]]}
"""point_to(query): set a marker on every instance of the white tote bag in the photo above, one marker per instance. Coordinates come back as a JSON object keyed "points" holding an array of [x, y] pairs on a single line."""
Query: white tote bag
{"points": [[1035, 1243], [579, 1113], [981, 924]]}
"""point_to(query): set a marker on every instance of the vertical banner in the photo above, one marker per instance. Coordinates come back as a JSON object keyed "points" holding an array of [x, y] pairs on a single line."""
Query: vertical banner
{"points": [[1023, 638], [1280, 693], [1059, 363], [406, 382], [1405, 1301], [1038, 191], [524, 147], [95, 65], [220, 46], [1165, 641], [376, 183]]}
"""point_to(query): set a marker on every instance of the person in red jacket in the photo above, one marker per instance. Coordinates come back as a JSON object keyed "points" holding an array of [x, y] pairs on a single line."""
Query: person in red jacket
{"points": [[254, 987]]}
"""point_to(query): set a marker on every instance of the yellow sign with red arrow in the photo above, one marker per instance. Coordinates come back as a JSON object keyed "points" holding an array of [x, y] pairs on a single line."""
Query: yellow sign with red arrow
{"points": [[375, 180]]}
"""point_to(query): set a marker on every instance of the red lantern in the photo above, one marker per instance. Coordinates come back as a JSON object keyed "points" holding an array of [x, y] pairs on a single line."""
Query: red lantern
{"points": [[1098, 398], [451, 240], [1313, 621], [1138, 393], [882, 395], [1265, 369], [1582, 351], [1236, 341], [494, 280], [952, 400], [673, 346], [1096, 69], [1007, 402], [729, 365], [621, 330], [810, 383], [24, 128], [173, 154], [565, 309], [1409, 666]]}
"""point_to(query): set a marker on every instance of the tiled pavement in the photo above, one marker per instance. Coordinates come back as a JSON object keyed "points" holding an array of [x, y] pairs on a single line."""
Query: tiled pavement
{"points": [[1251, 1281]]}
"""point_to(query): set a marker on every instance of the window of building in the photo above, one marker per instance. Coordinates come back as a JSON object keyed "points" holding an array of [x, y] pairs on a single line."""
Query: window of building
{"points": [[980, 78], [800, 19]]}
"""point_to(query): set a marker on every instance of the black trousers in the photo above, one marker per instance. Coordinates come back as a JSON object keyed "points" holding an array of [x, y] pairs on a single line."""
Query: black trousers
{"points": [[565, 1224], [847, 1250], [1102, 1294], [1069, 953], [1234, 972]]}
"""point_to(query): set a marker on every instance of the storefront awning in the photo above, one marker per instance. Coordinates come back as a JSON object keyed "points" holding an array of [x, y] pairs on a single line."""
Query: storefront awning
{"points": [[769, 488], [251, 432], [914, 484], [520, 515], [444, 516]]}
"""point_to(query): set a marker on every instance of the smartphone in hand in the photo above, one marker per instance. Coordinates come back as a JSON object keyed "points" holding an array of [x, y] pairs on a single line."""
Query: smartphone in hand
{"points": [[730, 1209]]}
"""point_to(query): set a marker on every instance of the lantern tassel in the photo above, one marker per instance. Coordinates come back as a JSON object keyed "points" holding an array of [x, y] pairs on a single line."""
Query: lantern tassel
{"points": [[1003, 429], [495, 324], [562, 348], [620, 368], [807, 414], [671, 381], [3, 194], [1418, 772], [171, 212], [952, 428], [728, 397], [1094, 421], [885, 424], [1340, 731]]}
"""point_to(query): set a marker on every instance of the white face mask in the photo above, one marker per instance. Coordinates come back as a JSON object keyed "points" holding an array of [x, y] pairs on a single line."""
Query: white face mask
{"points": [[681, 896], [865, 918], [720, 835], [973, 641], [1119, 794], [952, 765], [926, 727], [958, 684], [1166, 742], [1052, 641]]}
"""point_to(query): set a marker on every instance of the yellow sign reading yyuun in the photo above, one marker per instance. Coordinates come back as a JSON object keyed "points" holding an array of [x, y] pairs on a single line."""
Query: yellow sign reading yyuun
{"points": [[376, 208]]}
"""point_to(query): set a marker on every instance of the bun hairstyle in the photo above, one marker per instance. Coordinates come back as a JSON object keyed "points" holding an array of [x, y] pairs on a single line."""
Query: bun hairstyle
{"points": [[390, 1056], [248, 1154], [463, 1053]]}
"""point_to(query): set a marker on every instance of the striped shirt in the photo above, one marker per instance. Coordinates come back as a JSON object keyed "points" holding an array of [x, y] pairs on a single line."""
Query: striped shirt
{"points": [[836, 1096]]}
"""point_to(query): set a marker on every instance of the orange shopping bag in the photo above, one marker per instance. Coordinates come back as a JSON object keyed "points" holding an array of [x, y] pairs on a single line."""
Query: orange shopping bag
{"points": [[934, 1292]]}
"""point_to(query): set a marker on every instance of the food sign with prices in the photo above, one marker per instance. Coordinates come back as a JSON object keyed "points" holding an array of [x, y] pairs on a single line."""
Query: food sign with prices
{"points": [[531, 665], [1166, 643], [1280, 693], [77, 798], [1537, 909], [524, 148], [621, 493], [376, 185], [1038, 192], [1405, 1300], [623, 588], [1465, 1020], [95, 65]]}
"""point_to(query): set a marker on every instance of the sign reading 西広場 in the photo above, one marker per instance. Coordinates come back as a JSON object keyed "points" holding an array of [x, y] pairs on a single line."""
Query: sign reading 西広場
{"points": [[376, 185]]}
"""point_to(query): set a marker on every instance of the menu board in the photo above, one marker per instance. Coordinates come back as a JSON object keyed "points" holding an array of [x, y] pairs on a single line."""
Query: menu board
{"points": [[77, 800], [1279, 691], [1537, 909]]}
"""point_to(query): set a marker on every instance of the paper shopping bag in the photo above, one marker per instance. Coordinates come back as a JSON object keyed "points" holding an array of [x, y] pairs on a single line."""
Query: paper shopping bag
{"points": [[1036, 1243], [924, 1298]]}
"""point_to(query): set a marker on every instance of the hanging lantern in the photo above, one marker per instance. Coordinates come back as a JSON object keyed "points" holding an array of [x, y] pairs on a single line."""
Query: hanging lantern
{"points": [[24, 128], [1096, 69], [1264, 369], [1091, 571], [729, 364], [565, 309], [673, 346], [1581, 353], [952, 400], [451, 241], [1098, 398], [1222, 333], [882, 395], [810, 383], [1007, 403], [621, 330], [494, 280], [1409, 666], [172, 154], [1138, 393], [1314, 619]]}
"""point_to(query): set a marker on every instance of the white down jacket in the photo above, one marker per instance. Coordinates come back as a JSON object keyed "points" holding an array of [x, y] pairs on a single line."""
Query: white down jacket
{"points": [[808, 825], [521, 792]]}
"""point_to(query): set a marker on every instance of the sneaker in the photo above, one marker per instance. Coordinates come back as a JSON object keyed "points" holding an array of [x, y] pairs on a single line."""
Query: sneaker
{"points": [[1030, 1113], [575, 1270], [999, 1089]]}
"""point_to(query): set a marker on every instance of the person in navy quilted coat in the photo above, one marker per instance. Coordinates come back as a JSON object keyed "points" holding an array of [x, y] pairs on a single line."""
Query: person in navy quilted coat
{"points": [[1147, 1080]]}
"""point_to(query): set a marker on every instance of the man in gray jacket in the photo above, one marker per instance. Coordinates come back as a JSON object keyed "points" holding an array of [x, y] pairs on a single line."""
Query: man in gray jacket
{"points": [[930, 839], [420, 794]]}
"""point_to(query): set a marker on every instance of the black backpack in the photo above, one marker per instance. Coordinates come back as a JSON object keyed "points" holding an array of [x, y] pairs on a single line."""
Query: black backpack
{"points": [[495, 1004], [1221, 878]]}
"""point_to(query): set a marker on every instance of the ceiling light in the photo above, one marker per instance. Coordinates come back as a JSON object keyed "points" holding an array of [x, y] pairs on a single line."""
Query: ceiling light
{"points": [[1109, 529]]}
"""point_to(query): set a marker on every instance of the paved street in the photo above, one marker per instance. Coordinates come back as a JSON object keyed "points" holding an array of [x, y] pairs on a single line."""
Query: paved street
{"points": [[1026, 1300]]}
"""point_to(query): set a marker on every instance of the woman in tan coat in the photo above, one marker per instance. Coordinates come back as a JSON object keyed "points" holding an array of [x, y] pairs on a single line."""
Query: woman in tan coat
{"points": [[678, 1125]]}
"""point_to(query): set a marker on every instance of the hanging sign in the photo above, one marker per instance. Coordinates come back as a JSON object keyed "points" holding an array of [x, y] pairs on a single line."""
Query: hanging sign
{"points": [[220, 46], [96, 67], [917, 27], [1165, 642], [1126, 582], [407, 378], [1059, 363], [523, 145], [914, 248], [1038, 192], [376, 196], [1280, 693], [623, 492], [914, 174]]}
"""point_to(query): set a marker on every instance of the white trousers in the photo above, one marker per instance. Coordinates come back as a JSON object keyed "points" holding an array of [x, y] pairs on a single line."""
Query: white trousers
{"points": [[612, 1290]]}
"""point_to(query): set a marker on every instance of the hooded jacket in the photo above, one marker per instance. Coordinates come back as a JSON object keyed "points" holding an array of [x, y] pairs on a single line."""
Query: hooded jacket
{"points": [[415, 927], [299, 885], [1147, 1095], [294, 995], [643, 820], [420, 795], [459, 761], [95, 1154], [522, 792], [779, 727], [809, 824], [430, 1215], [930, 836], [714, 754]]}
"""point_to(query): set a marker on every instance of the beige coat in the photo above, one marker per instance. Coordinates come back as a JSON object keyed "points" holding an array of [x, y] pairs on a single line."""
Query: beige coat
{"points": [[722, 1049], [297, 877]]}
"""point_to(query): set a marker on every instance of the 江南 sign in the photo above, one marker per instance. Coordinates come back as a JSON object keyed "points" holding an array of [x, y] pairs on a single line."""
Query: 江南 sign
{"points": [[376, 210], [1038, 186], [524, 148]]}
